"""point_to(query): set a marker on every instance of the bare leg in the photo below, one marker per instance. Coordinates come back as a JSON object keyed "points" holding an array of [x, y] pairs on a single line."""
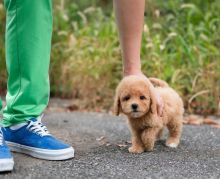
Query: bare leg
{"points": [[130, 18]]}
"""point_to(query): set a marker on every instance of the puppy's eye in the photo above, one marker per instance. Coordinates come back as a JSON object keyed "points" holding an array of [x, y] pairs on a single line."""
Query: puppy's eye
{"points": [[142, 97], [126, 98]]}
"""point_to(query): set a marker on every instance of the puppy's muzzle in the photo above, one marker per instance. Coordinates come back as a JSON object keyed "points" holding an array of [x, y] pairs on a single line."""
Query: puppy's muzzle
{"points": [[134, 107]]}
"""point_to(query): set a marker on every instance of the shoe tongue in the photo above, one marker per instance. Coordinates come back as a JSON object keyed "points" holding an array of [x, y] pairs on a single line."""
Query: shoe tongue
{"points": [[34, 119]]}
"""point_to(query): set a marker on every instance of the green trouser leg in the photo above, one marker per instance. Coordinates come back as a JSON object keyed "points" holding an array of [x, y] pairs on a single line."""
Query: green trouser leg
{"points": [[0, 105], [28, 45]]}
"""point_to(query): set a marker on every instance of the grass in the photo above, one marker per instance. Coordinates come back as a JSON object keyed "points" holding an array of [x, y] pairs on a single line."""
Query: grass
{"points": [[182, 47], [181, 43]]}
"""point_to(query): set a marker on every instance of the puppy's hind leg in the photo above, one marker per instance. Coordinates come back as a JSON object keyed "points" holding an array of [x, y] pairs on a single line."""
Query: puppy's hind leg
{"points": [[175, 130]]}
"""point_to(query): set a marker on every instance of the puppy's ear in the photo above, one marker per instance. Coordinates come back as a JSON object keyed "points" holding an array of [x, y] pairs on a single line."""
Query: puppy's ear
{"points": [[153, 101], [117, 104], [153, 106]]}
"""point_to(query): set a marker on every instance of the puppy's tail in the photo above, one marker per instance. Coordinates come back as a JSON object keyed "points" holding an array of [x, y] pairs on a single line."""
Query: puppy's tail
{"points": [[158, 82]]}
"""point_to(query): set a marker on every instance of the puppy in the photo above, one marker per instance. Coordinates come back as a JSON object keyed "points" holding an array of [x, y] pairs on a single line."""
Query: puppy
{"points": [[135, 98]]}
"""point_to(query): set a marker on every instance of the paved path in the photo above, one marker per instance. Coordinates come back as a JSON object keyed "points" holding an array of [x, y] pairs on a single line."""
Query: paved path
{"points": [[101, 147]]}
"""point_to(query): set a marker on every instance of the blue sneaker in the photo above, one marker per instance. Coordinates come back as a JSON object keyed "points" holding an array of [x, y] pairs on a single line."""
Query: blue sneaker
{"points": [[6, 160], [35, 140]]}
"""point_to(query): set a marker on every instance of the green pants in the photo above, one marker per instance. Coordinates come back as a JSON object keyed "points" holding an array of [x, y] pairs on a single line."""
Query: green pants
{"points": [[28, 45]]}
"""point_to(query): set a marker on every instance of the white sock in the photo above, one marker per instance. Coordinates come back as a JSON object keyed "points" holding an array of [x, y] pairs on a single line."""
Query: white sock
{"points": [[18, 126]]}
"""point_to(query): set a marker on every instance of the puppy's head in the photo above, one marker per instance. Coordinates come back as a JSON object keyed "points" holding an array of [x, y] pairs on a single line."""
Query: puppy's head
{"points": [[134, 97]]}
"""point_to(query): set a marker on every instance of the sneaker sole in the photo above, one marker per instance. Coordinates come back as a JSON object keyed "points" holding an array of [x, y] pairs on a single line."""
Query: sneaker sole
{"points": [[6, 165], [45, 154]]}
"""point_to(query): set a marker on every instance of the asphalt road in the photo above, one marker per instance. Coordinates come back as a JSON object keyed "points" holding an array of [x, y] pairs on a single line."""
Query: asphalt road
{"points": [[100, 141]]}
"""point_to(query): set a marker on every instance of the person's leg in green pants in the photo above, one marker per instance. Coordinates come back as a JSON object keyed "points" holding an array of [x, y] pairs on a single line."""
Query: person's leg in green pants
{"points": [[28, 44]]}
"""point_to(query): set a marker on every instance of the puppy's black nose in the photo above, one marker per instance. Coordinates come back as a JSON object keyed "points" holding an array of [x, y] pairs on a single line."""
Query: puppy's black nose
{"points": [[134, 106]]}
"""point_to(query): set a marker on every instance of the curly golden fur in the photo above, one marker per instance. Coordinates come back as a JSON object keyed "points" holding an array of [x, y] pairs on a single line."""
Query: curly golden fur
{"points": [[135, 98]]}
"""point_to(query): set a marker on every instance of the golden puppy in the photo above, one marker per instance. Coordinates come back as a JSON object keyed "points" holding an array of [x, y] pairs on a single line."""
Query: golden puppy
{"points": [[135, 98]]}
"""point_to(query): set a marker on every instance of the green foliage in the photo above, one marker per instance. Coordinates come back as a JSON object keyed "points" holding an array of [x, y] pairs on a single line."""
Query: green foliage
{"points": [[181, 43], [182, 47], [85, 54]]}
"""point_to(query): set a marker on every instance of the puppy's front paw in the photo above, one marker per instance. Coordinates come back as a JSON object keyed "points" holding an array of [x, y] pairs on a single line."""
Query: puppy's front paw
{"points": [[136, 150]]}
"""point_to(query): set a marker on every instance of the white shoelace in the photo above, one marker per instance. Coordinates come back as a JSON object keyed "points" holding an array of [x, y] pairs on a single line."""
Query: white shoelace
{"points": [[38, 128], [1, 137]]}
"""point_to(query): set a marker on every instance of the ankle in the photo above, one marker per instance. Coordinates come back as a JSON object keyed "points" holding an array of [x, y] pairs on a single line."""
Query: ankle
{"points": [[18, 126], [128, 72]]}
